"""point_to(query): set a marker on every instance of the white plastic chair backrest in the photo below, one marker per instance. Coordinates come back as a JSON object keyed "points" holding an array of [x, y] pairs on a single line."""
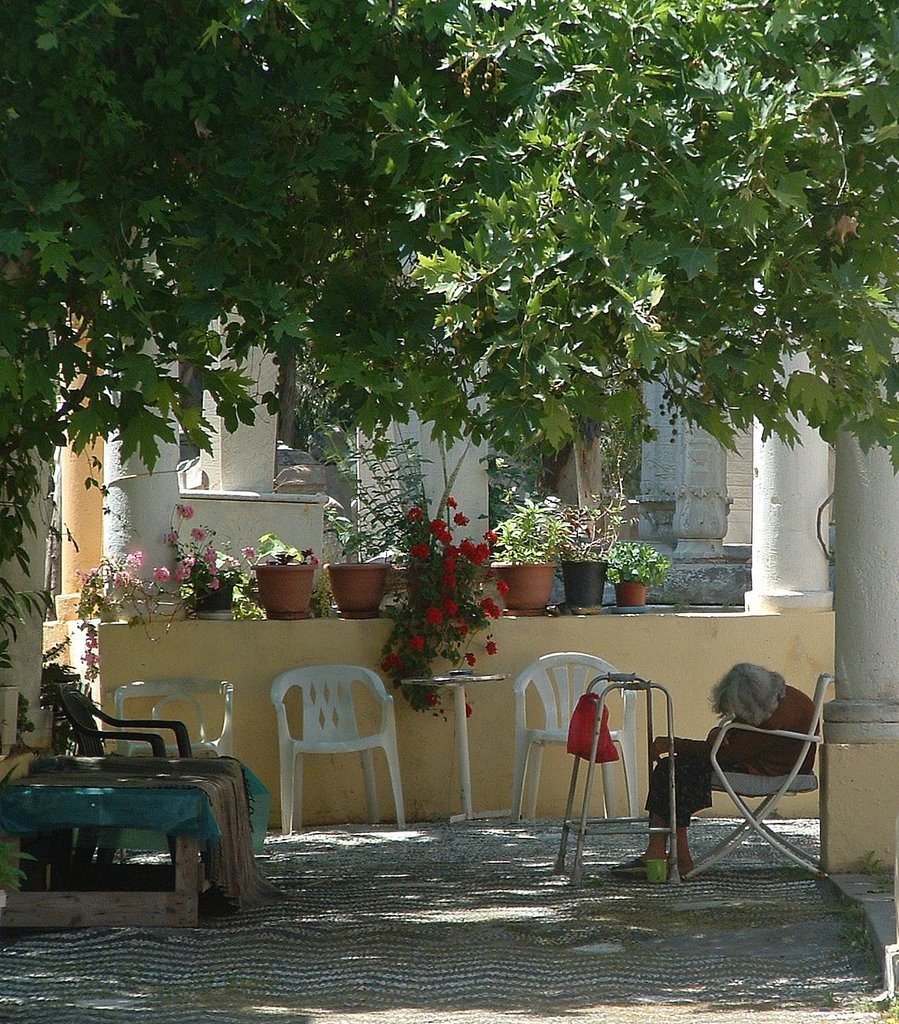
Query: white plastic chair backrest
{"points": [[560, 680], [184, 691], [328, 713]]}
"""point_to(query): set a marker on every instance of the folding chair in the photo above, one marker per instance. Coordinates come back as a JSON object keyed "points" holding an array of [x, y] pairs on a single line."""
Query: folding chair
{"points": [[741, 787]]}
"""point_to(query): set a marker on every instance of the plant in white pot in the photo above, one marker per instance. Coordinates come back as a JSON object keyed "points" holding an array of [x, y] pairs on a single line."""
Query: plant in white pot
{"points": [[634, 566], [529, 541]]}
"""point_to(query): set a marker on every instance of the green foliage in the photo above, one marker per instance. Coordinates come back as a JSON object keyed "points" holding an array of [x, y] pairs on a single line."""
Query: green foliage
{"points": [[533, 532], [635, 561], [590, 532], [375, 526], [273, 551]]}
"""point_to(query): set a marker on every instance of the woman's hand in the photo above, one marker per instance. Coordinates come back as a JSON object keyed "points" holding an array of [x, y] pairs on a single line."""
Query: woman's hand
{"points": [[660, 748]]}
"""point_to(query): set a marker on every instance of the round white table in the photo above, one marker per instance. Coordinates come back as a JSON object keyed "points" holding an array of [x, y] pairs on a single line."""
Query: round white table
{"points": [[457, 681]]}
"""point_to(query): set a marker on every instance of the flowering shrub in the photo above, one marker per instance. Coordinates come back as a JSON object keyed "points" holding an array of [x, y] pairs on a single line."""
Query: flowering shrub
{"points": [[112, 589], [442, 606], [201, 569]]}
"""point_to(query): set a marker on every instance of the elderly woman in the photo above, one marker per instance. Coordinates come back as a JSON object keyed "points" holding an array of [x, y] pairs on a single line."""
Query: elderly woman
{"points": [[752, 695]]}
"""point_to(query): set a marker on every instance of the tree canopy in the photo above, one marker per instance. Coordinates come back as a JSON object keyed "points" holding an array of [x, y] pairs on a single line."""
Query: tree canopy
{"points": [[504, 215]]}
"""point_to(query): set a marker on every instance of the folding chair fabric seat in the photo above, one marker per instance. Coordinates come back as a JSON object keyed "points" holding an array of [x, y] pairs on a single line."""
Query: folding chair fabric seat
{"points": [[748, 785]]}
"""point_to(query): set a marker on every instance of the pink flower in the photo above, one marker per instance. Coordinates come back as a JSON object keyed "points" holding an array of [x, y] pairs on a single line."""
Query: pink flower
{"points": [[170, 538], [161, 574], [214, 583], [209, 556], [249, 554], [185, 511], [135, 560], [198, 533]]}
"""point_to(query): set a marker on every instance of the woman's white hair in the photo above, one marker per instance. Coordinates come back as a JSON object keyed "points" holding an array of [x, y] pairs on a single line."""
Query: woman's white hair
{"points": [[748, 692]]}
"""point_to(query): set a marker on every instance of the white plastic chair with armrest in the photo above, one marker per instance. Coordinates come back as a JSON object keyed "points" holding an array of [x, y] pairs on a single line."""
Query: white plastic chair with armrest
{"points": [[742, 787], [181, 691], [329, 726], [560, 680]]}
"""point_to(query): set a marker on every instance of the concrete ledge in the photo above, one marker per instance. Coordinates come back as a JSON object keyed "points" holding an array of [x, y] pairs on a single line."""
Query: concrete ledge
{"points": [[876, 900]]}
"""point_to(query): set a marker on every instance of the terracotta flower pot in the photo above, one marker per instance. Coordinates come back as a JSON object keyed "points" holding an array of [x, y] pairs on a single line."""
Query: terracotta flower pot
{"points": [[358, 588], [529, 586], [630, 594], [285, 590]]}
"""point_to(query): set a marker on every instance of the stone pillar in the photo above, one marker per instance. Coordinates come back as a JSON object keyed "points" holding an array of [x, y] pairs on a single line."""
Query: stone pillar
{"points": [[860, 790], [245, 459], [658, 473], [81, 507], [700, 511], [790, 569]]}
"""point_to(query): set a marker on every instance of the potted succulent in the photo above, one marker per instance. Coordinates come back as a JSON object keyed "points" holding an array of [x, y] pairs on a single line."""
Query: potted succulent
{"points": [[529, 541], [284, 576], [633, 566], [589, 534]]}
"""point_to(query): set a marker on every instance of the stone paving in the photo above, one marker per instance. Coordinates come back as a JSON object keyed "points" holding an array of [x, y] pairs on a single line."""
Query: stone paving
{"points": [[466, 923]]}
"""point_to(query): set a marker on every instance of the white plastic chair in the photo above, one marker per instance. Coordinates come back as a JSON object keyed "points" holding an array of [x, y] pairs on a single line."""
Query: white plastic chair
{"points": [[560, 680], [329, 726], [186, 690], [741, 787]]}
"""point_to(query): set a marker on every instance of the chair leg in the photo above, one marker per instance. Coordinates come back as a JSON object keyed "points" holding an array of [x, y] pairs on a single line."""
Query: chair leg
{"points": [[628, 749], [535, 765], [393, 766], [291, 793], [609, 790], [519, 774], [371, 790]]}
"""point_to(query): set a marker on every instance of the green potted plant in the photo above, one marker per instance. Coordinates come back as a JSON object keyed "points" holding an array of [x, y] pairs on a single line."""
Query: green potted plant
{"points": [[633, 566], [589, 534], [285, 576], [371, 537], [529, 542]]}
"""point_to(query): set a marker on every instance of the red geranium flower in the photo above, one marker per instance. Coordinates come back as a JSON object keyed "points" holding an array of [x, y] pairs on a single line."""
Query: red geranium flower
{"points": [[415, 515], [450, 607], [431, 699], [502, 587], [460, 520], [490, 647], [467, 710], [420, 551], [491, 537], [452, 503], [491, 608], [434, 616], [470, 658], [417, 642]]}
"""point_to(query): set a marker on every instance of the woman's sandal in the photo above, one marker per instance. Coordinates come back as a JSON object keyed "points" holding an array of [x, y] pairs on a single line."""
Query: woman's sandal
{"points": [[634, 868]]}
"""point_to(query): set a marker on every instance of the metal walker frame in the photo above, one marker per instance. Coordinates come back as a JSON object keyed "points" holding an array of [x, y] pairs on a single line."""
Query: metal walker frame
{"points": [[582, 825]]}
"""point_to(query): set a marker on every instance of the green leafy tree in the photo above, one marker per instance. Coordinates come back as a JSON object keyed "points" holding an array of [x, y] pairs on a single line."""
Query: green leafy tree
{"points": [[656, 188], [504, 215]]}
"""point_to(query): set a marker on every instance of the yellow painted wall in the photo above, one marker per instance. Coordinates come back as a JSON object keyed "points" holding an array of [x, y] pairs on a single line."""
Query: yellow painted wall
{"points": [[687, 652], [859, 805]]}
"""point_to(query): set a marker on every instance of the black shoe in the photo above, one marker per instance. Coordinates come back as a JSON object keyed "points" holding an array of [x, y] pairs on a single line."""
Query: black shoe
{"points": [[214, 903], [635, 868]]}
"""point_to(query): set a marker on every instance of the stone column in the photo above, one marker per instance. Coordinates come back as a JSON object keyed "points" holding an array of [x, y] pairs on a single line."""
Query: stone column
{"points": [[700, 511], [657, 472], [81, 543], [790, 569], [860, 791], [245, 459]]}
